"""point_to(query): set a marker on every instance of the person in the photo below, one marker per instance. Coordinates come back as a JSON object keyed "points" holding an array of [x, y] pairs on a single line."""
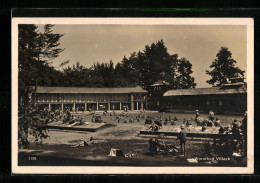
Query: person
{"points": [[82, 121], [221, 130], [235, 129], [188, 123], [153, 146], [154, 127], [61, 112], [73, 120], [98, 118], [148, 120], [105, 112], [244, 132], [209, 124], [217, 122], [204, 127], [83, 109], [211, 115], [197, 115], [68, 114], [114, 112], [182, 136], [244, 123], [166, 121]]}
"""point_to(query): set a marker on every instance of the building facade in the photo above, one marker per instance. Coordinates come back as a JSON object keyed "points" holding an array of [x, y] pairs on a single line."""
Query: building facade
{"points": [[156, 94], [231, 97], [91, 99]]}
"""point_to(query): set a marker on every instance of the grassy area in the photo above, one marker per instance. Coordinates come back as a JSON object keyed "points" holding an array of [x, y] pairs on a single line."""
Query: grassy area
{"points": [[125, 136]]}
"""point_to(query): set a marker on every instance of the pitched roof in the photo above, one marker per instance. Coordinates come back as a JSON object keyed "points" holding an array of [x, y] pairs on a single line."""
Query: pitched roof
{"points": [[205, 91], [82, 90]]}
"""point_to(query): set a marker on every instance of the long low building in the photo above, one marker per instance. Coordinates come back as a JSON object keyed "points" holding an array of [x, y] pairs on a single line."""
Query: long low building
{"points": [[227, 98], [94, 99]]}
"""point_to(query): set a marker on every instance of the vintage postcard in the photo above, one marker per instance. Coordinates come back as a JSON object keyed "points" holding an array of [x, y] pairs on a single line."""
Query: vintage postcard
{"points": [[132, 96]]}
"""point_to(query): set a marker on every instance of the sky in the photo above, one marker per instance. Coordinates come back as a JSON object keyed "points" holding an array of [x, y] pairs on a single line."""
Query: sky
{"points": [[199, 44]]}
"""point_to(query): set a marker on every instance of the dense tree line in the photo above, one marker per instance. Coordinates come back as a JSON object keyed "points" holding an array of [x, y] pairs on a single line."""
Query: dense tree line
{"points": [[142, 68], [38, 49]]}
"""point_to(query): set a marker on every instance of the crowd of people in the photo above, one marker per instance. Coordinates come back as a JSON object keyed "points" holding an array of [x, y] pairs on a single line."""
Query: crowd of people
{"points": [[234, 138], [236, 132]]}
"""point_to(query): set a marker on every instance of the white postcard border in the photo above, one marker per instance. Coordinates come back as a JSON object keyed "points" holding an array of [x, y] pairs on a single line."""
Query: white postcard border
{"points": [[249, 22]]}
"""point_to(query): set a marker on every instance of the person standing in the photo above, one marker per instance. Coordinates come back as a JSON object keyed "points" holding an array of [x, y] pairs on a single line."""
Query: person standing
{"points": [[182, 137], [244, 124], [244, 132], [197, 115]]}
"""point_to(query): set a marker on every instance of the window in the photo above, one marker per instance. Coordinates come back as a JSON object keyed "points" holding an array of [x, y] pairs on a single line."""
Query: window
{"points": [[220, 103]]}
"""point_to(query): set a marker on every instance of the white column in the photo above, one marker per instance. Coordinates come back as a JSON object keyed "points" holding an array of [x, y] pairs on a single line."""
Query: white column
{"points": [[49, 106], [108, 106], [137, 105], [132, 102], [85, 106], [62, 107], [97, 106], [74, 107], [142, 105], [120, 107]]}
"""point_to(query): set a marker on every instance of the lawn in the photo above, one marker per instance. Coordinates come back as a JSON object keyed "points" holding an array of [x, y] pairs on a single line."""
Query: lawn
{"points": [[125, 136]]}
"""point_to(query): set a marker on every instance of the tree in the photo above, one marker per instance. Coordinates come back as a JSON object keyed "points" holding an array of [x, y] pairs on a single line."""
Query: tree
{"points": [[102, 74], [183, 76], [75, 76], [223, 68], [48, 44], [27, 55], [142, 68], [145, 67], [36, 52]]}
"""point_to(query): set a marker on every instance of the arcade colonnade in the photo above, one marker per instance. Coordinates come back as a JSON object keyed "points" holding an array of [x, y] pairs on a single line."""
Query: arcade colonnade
{"points": [[111, 99]]}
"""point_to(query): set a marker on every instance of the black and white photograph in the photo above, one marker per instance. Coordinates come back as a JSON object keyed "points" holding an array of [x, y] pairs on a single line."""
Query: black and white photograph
{"points": [[132, 95]]}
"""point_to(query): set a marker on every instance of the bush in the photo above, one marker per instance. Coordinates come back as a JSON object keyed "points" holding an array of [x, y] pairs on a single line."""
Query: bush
{"points": [[30, 122]]}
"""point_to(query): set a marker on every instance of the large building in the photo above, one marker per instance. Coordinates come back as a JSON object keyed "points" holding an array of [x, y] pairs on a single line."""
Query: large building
{"points": [[94, 99], [231, 97]]}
